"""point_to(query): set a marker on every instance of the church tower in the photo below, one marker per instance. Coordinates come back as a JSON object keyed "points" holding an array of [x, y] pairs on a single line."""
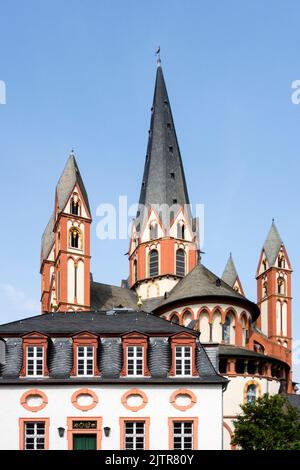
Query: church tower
{"points": [[164, 239], [65, 254], [274, 295]]}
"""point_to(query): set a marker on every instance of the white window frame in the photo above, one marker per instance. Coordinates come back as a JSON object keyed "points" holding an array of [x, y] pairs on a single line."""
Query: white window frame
{"points": [[34, 360], [35, 435], [135, 359], [183, 435], [85, 359], [135, 435], [182, 360]]}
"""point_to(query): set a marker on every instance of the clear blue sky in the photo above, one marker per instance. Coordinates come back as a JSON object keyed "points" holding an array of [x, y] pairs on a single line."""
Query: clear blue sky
{"points": [[81, 75]]}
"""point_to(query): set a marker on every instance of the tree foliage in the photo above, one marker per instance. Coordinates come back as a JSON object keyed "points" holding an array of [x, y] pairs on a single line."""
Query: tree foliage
{"points": [[270, 423]]}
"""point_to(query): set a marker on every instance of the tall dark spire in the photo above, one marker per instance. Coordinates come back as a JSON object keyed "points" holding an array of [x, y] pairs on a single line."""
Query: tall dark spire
{"points": [[163, 179]]}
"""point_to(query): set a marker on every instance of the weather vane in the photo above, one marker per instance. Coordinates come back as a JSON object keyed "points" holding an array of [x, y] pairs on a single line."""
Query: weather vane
{"points": [[157, 53]]}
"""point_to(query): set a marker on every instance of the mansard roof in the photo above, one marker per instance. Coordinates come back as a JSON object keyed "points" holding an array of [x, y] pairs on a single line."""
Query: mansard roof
{"points": [[230, 274], [272, 244], [115, 322], [110, 326], [200, 282], [69, 177], [163, 179]]}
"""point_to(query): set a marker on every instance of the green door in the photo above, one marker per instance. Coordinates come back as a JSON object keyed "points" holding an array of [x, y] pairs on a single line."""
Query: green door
{"points": [[84, 442]]}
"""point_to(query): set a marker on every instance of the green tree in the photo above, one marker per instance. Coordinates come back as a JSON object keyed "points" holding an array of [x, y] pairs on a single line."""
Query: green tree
{"points": [[270, 423]]}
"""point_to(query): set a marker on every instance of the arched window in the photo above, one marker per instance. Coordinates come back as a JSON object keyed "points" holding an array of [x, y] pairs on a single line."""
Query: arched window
{"points": [[264, 264], [251, 394], [204, 327], [75, 209], [281, 260], [153, 231], [217, 327], [265, 287], [244, 330], [74, 238], [229, 328], [180, 230], [180, 262], [153, 263], [187, 318], [280, 285], [135, 271], [174, 319]]}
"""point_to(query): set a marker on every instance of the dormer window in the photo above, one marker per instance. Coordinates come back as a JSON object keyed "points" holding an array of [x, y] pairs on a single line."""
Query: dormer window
{"points": [[183, 364], [85, 346], [35, 361], [183, 355], [85, 360], [34, 355], [135, 355], [135, 360]]}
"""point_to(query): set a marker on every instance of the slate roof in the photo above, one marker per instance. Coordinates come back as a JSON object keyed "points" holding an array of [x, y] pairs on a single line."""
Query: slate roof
{"points": [[272, 244], [230, 350], [69, 177], [48, 239], [60, 326], [71, 323], [230, 273], [106, 296], [294, 400], [200, 282], [163, 179]]}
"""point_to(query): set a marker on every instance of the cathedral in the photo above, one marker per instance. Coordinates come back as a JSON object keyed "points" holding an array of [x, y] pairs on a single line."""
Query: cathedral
{"points": [[162, 361]]}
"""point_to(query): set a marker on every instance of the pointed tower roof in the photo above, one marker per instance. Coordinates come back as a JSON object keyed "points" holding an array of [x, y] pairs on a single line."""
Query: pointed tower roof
{"points": [[230, 274], [69, 177], [163, 179], [272, 244]]}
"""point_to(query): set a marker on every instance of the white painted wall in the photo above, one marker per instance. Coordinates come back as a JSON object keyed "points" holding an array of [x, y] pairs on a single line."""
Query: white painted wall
{"points": [[208, 409]]}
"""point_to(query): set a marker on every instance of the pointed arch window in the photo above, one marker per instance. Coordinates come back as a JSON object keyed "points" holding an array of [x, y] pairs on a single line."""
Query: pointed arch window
{"points": [[281, 286], [251, 394], [180, 262], [174, 319], [180, 231], [229, 328], [281, 260], [245, 335], [75, 238], [75, 206], [153, 231], [153, 263], [264, 264], [135, 271]]}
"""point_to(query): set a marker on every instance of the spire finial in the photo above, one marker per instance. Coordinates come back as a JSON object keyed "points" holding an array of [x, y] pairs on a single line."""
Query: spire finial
{"points": [[157, 53], [273, 220]]}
